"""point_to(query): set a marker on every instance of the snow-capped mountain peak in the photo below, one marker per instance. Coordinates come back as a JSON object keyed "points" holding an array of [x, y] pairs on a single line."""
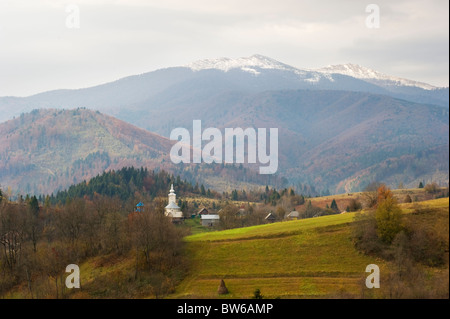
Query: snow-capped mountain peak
{"points": [[250, 64], [370, 75], [256, 63]]}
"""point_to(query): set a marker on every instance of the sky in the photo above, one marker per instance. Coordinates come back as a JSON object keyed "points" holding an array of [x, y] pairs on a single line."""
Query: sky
{"points": [[49, 44]]}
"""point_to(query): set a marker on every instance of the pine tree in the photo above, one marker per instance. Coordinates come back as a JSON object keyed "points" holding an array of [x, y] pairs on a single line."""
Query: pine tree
{"points": [[334, 206], [202, 190], [34, 205]]}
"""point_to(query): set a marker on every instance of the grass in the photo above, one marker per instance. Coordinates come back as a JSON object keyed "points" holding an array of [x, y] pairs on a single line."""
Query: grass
{"points": [[195, 226], [272, 230], [305, 258], [343, 200], [309, 258], [433, 204]]}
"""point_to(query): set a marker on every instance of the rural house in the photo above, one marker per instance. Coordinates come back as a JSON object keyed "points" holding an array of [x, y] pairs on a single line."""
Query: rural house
{"points": [[293, 215], [210, 220], [270, 218], [202, 211], [139, 207]]}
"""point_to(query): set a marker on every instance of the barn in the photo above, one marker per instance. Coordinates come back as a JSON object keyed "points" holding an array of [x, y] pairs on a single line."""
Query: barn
{"points": [[210, 220]]}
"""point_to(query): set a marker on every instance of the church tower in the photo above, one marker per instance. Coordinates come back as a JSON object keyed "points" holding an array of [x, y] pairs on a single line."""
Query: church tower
{"points": [[172, 195], [172, 209]]}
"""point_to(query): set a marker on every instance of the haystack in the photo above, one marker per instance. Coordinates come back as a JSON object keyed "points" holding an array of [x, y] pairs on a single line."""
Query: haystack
{"points": [[222, 290]]}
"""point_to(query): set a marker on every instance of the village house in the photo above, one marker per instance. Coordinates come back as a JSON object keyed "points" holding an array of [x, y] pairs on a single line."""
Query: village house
{"points": [[203, 211], [270, 218], [139, 207], [210, 220], [293, 215]]}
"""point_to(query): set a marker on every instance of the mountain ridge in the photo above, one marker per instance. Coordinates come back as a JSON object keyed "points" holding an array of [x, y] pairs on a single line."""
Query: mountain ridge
{"points": [[360, 72], [368, 137], [259, 61], [259, 73]]}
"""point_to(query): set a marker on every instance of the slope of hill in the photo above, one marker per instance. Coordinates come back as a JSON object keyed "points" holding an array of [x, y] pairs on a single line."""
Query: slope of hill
{"points": [[309, 258], [47, 150], [330, 139]]}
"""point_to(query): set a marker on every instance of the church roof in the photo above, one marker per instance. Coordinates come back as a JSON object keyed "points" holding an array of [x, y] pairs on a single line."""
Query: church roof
{"points": [[175, 214], [172, 205]]}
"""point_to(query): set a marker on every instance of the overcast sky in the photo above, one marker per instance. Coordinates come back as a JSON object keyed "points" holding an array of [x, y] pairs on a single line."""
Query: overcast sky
{"points": [[40, 51]]}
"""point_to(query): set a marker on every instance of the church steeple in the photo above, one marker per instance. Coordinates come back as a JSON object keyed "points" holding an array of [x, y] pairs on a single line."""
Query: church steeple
{"points": [[172, 195]]}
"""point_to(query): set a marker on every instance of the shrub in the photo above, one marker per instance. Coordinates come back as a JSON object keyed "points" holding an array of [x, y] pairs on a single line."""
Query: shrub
{"points": [[431, 188], [408, 199], [354, 205], [389, 217]]}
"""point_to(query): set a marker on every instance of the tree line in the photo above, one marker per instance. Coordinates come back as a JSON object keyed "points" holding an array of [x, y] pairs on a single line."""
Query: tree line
{"points": [[126, 183], [38, 242]]}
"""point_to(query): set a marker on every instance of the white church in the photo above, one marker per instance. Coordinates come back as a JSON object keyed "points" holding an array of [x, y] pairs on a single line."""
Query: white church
{"points": [[172, 209]]}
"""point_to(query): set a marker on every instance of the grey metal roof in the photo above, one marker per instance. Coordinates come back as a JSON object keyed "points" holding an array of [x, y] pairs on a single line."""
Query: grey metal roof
{"points": [[172, 205], [294, 213], [210, 216]]}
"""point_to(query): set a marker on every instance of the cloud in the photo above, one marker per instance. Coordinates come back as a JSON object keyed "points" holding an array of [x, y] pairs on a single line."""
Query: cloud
{"points": [[124, 37]]}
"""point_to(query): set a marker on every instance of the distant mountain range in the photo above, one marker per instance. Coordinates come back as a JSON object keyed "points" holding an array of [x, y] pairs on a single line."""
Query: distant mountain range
{"points": [[252, 74], [340, 127]]}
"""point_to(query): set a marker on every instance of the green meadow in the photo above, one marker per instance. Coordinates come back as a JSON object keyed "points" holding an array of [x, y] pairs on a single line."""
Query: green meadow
{"points": [[309, 258]]}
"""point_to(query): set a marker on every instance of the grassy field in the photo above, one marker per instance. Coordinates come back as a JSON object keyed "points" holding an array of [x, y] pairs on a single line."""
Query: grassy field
{"points": [[343, 200], [307, 258], [195, 226]]}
